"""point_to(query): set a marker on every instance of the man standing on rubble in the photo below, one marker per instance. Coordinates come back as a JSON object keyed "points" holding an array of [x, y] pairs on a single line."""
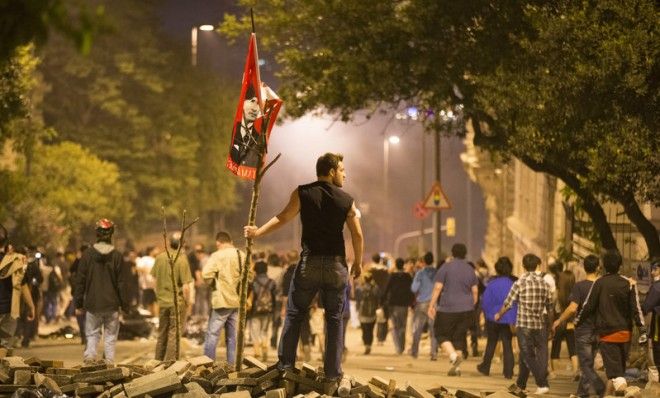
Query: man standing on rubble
{"points": [[100, 292], [324, 209]]}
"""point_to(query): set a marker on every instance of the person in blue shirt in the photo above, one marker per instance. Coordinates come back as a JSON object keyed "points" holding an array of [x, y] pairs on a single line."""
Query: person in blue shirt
{"points": [[500, 330], [422, 287]]}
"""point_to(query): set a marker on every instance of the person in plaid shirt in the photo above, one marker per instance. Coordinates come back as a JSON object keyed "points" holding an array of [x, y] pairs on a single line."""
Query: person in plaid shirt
{"points": [[534, 301]]}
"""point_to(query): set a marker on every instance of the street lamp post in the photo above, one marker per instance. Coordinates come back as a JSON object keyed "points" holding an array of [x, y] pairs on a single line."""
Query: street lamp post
{"points": [[193, 41], [385, 233]]}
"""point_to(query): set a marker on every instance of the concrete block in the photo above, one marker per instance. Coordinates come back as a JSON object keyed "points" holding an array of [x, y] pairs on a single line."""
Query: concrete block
{"points": [[237, 394], [93, 390], [418, 392], [179, 367], [46, 382], [61, 380], [23, 377], [276, 393], [101, 376], [153, 384], [254, 362], [62, 371], [201, 360]]}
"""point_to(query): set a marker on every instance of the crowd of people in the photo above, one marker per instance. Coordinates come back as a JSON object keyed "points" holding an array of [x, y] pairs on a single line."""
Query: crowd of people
{"points": [[302, 299]]}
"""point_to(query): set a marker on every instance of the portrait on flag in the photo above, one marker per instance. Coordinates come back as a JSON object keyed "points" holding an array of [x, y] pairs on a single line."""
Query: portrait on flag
{"points": [[256, 113], [246, 144]]}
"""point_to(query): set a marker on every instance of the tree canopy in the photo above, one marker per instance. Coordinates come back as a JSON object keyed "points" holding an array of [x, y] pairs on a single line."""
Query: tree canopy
{"points": [[570, 88]]}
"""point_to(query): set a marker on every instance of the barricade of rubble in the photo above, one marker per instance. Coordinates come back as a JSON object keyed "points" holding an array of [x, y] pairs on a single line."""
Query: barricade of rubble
{"points": [[201, 377]]}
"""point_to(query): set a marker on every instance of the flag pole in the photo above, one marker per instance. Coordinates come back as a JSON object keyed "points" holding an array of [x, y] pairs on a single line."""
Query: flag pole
{"points": [[256, 190]]}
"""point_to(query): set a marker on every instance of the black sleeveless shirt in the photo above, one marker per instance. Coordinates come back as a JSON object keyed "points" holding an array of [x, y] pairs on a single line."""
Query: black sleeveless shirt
{"points": [[323, 210]]}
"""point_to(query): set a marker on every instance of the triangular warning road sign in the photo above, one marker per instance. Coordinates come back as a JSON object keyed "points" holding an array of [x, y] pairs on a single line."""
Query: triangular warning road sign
{"points": [[436, 198]]}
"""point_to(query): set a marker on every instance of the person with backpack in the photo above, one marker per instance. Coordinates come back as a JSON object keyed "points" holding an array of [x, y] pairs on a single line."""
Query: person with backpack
{"points": [[100, 292], [54, 286], [264, 295], [367, 297]]}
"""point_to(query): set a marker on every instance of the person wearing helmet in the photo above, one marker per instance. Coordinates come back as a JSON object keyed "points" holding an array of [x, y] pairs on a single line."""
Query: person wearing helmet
{"points": [[99, 292]]}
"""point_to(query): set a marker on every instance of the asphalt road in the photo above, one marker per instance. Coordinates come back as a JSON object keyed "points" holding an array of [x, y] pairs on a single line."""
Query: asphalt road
{"points": [[381, 362]]}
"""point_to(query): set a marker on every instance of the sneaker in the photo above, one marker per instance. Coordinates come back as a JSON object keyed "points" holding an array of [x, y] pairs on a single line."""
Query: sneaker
{"points": [[542, 390], [434, 358], [367, 350], [482, 369], [454, 370]]}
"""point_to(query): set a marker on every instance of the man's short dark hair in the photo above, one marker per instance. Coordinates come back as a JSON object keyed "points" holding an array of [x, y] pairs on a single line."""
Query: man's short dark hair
{"points": [[399, 262], [503, 266], [260, 267], [223, 237], [612, 261], [327, 162], [530, 262], [376, 258], [591, 264], [428, 258], [459, 250]]}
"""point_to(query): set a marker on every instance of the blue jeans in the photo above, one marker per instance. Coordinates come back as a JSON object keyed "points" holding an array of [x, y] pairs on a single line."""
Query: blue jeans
{"points": [[399, 316], [50, 306], [329, 276], [222, 318], [587, 344], [531, 342], [420, 318], [93, 323]]}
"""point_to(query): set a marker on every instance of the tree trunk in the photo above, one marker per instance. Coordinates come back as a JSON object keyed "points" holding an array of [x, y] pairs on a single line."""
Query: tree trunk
{"points": [[644, 226]]}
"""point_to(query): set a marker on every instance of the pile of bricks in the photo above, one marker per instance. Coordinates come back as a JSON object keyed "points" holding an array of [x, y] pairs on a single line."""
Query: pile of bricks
{"points": [[197, 378]]}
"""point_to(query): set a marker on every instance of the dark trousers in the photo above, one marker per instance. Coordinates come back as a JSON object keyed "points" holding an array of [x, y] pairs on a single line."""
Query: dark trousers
{"points": [[587, 345], [568, 335], [367, 333], [499, 332], [381, 331], [614, 358], [656, 353], [327, 275], [531, 342]]}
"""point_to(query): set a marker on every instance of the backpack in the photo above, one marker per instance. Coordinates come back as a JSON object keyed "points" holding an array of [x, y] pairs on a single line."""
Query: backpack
{"points": [[368, 301], [54, 282], [262, 303]]}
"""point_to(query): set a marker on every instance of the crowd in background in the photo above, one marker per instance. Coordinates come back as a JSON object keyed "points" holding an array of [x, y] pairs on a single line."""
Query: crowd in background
{"points": [[392, 297]]}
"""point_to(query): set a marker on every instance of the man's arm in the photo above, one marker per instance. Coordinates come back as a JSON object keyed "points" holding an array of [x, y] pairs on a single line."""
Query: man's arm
{"points": [[357, 240], [570, 311], [508, 302], [437, 290], [290, 210]]}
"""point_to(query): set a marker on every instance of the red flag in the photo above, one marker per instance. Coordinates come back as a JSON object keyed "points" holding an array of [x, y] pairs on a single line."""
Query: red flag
{"points": [[255, 116]]}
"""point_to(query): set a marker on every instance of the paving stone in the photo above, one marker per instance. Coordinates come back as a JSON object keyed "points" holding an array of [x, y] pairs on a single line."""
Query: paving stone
{"points": [[245, 381], [276, 393], [153, 384], [179, 366], [23, 377], [418, 392], [379, 382], [47, 382], [61, 380], [465, 394], [101, 376], [62, 371], [11, 388], [93, 367], [93, 390], [501, 394], [71, 388], [252, 361], [47, 363], [237, 394], [201, 360]]}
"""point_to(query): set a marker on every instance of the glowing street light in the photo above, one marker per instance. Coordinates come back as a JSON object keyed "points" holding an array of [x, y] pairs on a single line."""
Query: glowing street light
{"points": [[206, 28], [394, 139]]}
